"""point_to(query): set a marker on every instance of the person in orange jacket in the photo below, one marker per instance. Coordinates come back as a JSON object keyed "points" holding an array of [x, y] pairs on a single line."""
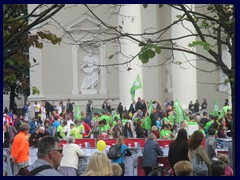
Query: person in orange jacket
{"points": [[20, 148]]}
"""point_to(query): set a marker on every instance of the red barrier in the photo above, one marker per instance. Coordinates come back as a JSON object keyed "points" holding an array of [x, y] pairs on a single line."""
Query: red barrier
{"points": [[164, 143], [90, 141], [167, 142], [128, 141], [162, 160]]}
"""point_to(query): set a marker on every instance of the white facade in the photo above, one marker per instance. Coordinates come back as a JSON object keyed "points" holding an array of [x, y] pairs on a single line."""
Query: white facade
{"points": [[58, 76]]}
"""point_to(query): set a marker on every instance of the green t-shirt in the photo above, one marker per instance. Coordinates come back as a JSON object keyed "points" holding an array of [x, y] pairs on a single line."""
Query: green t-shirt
{"points": [[94, 119], [203, 132], [75, 131], [105, 117], [209, 124], [114, 123], [124, 121], [166, 120], [60, 129], [192, 123], [171, 119], [104, 128], [164, 133], [226, 108]]}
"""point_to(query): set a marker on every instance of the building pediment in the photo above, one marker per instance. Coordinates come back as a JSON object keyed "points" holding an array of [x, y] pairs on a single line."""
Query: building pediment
{"points": [[85, 23]]}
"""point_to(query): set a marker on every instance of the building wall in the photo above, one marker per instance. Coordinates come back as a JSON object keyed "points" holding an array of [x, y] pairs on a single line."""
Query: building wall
{"points": [[57, 64]]}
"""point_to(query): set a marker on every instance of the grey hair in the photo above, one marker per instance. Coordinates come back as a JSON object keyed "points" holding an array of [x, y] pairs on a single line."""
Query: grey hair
{"points": [[23, 127], [46, 144], [151, 137], [42, 128], [70, 139]]}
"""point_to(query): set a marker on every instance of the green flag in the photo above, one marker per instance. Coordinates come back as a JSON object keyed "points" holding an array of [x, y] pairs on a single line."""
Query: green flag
{"points": [[180, 114], [77, 113], [136, 85], [150, 108], [97, 110]]}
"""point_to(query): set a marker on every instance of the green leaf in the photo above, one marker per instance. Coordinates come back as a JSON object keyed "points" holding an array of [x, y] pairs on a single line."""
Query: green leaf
{"points": [[178, 16], [110, 57], [144, 57], [204, 24], [207, 47], [35, 90], [151, 46], [210, 8], [150, 53], [145, 5], [10, 61], [157, 50]]}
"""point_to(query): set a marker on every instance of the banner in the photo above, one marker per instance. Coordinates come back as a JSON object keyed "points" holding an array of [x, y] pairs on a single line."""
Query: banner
{"points": [[180, 114], [77, 113], [136, 85], [150, 108], [215, 108]]}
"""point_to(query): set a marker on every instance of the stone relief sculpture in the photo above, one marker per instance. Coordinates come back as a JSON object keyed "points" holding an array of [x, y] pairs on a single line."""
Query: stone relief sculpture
{"points": [[91, 71]]}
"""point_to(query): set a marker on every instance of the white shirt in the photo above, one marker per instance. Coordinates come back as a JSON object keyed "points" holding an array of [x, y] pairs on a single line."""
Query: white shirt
{"points": [[59, 108], [71, 153], [36, 107], [69, 122]]}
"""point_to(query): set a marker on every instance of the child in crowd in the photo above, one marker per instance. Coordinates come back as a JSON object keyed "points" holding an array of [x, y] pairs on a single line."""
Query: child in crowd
{"points": [[225, 159]]}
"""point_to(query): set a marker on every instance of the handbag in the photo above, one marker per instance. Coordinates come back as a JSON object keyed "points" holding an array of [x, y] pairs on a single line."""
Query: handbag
{"points": [[199, 166]]}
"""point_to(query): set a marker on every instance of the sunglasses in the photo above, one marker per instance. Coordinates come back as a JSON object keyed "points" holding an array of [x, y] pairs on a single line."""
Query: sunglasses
{"points": [[58, 150]]}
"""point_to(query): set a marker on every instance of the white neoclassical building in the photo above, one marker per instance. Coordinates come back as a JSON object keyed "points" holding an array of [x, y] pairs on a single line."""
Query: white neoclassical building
{"points": [[63, 71]]}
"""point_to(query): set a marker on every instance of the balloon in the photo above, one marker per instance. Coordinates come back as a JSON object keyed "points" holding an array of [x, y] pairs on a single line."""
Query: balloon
{"points": [[101, 145]]}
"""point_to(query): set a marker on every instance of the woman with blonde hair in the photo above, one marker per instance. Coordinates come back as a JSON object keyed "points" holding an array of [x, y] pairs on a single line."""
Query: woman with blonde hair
{"points": [[98, 165], [124, 151]]}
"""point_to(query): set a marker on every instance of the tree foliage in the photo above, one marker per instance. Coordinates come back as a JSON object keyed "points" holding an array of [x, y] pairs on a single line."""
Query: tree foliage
{"points": [[17, 39]]}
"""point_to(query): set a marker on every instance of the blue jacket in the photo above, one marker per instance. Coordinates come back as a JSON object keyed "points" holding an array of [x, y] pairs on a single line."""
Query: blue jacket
{"points": [[151, 152]]}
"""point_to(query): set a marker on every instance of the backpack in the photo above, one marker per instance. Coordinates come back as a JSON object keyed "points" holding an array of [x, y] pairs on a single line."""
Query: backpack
{"points": [[199, 166], [115, 152], [25, 172]]}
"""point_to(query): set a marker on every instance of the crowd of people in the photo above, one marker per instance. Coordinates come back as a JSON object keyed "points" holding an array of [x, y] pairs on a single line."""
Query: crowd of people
{"points": [[139, 121]]}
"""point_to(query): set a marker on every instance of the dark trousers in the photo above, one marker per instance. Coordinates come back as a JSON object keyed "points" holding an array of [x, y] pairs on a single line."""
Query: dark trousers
{"points": [[123, 168], [147, 170]]}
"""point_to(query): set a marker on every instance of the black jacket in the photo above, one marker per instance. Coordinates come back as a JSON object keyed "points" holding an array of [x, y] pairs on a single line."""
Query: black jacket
{"points": [[177, 152]]}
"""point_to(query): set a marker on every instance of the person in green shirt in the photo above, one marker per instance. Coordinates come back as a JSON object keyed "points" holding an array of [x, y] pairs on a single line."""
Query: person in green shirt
{"points": [[104, 129], [78, 130], [165, 133], [192, 121], [209, 123], [60, 130], [201, 128], [171, 117], [226, 108], [105, 116]]}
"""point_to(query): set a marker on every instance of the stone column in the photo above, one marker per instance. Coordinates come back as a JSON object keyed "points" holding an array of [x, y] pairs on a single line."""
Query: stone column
{"points": [[184, 80], [131, 23]]}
